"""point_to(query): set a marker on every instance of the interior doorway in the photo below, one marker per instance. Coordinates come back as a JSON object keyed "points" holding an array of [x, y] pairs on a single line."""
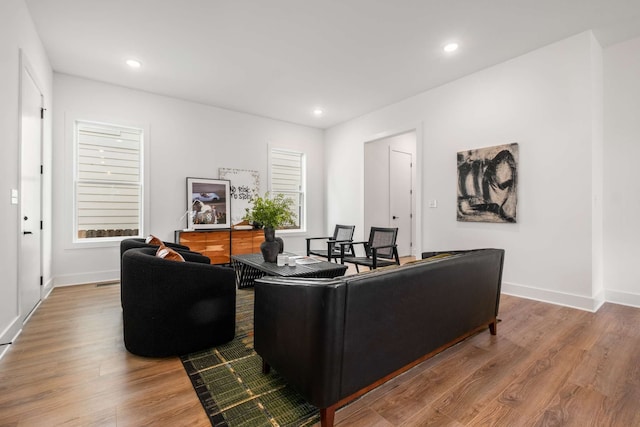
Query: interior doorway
{"points": [[30, 192], [389, 179]]}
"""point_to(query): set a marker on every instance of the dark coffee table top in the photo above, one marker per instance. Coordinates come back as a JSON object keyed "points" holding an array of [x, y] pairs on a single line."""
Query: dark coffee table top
{"points": [[322, 268]]}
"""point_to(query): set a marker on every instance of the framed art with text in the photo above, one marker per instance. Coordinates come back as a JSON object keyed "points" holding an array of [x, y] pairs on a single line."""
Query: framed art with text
{"points": [[245, 184]]}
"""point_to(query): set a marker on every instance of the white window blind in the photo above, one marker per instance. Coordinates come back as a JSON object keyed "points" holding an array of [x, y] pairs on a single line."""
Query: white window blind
{"points": [[108, 184], [287, 178]]}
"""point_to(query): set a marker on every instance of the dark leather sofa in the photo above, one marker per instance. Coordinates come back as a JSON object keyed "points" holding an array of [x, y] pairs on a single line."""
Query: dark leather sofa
{"points": [[174, 308], [335, 339]]}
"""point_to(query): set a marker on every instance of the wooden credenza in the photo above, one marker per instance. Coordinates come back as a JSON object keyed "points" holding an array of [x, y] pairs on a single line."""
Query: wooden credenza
{"points": [[220, 244], [246, 241]]}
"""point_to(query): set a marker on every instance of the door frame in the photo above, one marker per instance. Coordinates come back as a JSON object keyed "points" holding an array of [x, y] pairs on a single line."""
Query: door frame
{"points": [[417, 188], [26, 67]]}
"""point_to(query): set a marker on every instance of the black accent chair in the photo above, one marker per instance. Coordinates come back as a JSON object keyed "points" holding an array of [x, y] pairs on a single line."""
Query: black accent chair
{"points": [[380, 250], [341, 234], [135, 242], [172, 308]]}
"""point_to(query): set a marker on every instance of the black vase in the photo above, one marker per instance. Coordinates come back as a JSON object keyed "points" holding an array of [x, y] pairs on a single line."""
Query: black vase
{"points": [[270, 247]]}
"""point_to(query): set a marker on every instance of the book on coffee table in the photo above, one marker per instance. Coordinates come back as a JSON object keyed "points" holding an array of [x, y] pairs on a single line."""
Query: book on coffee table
{"points": [[303, 260]]}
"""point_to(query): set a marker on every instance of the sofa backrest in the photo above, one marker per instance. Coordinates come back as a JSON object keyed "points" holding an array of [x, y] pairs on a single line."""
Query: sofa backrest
{"points": [[395, 316], [332, 337]]}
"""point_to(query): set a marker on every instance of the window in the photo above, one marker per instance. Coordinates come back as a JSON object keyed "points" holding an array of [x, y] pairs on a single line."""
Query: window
{"points": [[288, 178], [108, 181]]}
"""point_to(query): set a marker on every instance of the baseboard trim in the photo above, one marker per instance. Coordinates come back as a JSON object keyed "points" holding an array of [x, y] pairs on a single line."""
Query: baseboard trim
{"points": [[84, 278], [10, 335], [47, 288], [623, 298], [580, 302]]}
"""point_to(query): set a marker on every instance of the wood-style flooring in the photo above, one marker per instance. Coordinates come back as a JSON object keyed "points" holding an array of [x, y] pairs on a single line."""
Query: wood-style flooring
{"points": [[548, 366]]}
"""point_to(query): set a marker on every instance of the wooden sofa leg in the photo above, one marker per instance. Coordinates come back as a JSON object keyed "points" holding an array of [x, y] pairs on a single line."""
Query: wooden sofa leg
{"points": [[327, 415], [493, 327], [265, 367]]}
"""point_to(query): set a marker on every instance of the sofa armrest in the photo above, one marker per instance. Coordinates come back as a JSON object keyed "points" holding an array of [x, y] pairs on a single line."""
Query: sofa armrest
{"points": [[298, 330]]}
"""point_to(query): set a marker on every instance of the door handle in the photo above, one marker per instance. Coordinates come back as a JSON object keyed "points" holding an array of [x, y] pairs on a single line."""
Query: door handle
{"points": [[27, 232], [395, 217]]}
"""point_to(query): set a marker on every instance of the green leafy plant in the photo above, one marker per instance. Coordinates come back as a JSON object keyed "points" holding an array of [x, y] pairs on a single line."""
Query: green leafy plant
{"points": [[270, 212]]}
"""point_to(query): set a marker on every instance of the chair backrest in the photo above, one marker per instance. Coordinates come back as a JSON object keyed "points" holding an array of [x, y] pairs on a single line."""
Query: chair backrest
{"points": [[380, 236], [343, 232], [134, 243]]}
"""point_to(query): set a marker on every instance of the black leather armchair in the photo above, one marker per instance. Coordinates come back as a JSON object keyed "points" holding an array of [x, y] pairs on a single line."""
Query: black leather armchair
{"points": [[173, 308]]}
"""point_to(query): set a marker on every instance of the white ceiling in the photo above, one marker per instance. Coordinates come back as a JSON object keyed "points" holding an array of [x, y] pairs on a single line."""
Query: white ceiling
{"points": [[282, 58]]}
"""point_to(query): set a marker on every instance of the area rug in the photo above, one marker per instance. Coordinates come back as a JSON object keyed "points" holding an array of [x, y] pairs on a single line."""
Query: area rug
{"points": [[232, 388]]}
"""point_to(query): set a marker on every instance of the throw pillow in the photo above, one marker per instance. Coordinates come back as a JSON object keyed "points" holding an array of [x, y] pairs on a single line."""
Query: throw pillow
{"points": [[153, 240], [168, 253]]}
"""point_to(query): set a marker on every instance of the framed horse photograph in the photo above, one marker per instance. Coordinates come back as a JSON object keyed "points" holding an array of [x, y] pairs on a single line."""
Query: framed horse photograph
{"points": [[208, 203]]}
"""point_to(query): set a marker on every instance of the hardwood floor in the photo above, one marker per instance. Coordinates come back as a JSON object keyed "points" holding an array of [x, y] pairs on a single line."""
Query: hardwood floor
{"points": [[548, 366], [70, 367]]}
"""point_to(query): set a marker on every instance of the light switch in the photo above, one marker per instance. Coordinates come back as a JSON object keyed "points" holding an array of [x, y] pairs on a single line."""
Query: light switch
{"points": [[14, 196], [433, 203]]}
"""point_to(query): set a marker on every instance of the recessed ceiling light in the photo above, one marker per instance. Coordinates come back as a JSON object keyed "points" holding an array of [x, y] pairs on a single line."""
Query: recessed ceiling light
{"points": [[133, 63], [318, 112], [450, 47]]}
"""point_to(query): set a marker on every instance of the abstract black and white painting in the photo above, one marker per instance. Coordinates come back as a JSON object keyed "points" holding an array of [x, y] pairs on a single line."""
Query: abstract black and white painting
{"points": [[487, 184]]}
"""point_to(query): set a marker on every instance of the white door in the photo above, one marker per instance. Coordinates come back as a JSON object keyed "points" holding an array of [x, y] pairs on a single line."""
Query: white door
{"points": [[400, 189], [29, 264]]}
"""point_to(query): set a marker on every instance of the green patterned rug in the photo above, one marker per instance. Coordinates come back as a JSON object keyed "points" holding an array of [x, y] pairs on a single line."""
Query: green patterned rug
{"points": [[232, 388]]}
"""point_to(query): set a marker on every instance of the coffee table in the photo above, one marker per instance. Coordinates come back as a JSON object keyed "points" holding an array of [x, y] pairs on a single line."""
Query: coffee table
{"points": [[249, 267]]}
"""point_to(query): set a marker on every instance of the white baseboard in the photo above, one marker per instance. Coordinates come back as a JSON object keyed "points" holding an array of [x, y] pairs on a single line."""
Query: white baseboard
{"points": [[47, 288], [623, 298], [559, 298], [84, 278], [9, 335]]}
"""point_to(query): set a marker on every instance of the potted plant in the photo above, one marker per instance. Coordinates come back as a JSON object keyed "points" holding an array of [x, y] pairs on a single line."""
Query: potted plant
{"points": [[271, 213]]}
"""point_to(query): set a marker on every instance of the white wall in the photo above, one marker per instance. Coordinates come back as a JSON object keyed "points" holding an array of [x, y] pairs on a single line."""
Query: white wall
{"points": [[621, 180], [543, 100], [18, 32], [185, 139]]}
